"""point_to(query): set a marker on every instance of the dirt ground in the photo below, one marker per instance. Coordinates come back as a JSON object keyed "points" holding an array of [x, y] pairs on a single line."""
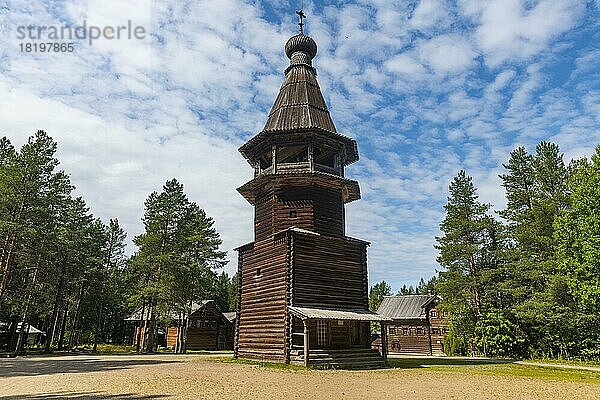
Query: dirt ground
{"points": [[199, 377]]}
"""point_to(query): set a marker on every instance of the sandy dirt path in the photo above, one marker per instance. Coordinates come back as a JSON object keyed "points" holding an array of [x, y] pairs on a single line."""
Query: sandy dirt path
{"points": [[199, 377]]}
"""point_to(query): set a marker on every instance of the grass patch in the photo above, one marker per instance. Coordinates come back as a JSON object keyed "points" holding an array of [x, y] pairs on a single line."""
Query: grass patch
{"points": [[575, 363], [496, 368], [262, 364], [224, 352], [108, 349]]}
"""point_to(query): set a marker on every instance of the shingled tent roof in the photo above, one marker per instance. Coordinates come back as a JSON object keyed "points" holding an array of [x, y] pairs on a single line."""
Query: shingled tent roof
{"points": [[406, 306], [300, 106]]}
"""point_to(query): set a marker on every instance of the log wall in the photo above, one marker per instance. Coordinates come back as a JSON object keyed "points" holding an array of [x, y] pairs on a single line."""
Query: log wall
{"points": [[411, 337], [329, 212], [308, 207], [297, 200], [261, 332], [263, 215], [329, 272], [422, 337]]}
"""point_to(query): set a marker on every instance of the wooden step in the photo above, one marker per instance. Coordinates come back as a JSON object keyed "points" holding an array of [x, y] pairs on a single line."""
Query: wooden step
{"points": [[347, 358]]}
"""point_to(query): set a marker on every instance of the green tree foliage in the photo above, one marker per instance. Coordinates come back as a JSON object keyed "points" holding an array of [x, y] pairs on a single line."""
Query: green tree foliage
{"points": [[536, 276], [537, 192], [578, 235], [404, 290], [224, 291], [66, 272], [51, 248], [178, 253], [469, 250], [376, 294], [422, 288], [498, 336]]}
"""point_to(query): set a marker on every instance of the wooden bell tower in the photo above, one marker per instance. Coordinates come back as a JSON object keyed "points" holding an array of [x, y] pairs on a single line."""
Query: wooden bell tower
{"points": [[301, 273]]}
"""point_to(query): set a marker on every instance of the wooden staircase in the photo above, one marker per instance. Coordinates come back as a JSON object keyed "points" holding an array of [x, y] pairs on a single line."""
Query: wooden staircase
{"points": [[346, 358]]}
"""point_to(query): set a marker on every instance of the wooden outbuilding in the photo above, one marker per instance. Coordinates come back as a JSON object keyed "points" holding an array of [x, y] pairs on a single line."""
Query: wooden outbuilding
{"points": [[418, 325], [303, 287], [207, 329], [34, 335]]}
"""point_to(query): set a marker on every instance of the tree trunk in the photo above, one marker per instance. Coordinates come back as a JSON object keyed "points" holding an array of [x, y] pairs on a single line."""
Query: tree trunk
{"points": [[139, 330], [151, 331], [12, 335], [475, 289], [98, 328], [184, 336], [57, 300], [185, 328], [63, 326], [7, 252], [75, 322], [20, 338], [7, 266]]}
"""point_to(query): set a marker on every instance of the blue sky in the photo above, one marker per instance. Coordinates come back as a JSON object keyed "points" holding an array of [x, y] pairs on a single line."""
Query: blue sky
{"points": [[425, 87]]}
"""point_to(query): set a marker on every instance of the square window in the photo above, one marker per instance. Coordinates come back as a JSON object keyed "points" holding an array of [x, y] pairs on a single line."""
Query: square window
{"points": [[293, 214]]}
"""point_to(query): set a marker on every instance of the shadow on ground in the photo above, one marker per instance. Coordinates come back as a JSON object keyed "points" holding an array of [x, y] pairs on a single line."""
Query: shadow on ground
{"points": [[423, 362], [82, 396], [48, 366]]}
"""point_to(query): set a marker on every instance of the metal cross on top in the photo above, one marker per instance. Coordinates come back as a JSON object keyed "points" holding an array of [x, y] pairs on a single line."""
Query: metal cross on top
{"points": [[301, 15]]}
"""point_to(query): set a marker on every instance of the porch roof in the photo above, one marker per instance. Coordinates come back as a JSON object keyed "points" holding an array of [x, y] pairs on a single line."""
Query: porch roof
{"points": [[329, 313]]}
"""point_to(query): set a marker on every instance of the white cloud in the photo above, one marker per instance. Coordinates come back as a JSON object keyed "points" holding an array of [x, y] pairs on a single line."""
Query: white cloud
{"points": [[408, 83], [115, 168], [429, 14], [510, 30], [447, 53], [405, 64]]}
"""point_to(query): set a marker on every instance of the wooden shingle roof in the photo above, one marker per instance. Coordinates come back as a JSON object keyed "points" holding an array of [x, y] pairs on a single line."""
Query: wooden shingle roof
{"points": [[305, 313], [300, 108], [407, 306], [300, 103]]}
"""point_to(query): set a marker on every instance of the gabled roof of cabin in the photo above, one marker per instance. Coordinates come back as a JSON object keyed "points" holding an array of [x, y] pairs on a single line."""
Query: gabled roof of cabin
{"points": [[229, 315], [412, 306], [137, 314], [4, 326]]}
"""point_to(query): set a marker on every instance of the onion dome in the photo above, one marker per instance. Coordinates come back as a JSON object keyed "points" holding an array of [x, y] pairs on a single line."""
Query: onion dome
{"points": [[301, 49]]}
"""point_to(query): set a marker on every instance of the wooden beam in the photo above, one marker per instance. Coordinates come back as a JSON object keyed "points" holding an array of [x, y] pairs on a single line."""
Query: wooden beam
{"points": [[306, 342], [384, 342]]}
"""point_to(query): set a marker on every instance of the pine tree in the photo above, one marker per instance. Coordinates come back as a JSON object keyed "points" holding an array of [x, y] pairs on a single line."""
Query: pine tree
{"points": [[468, 250], [376, 294], [577, 231], [537, 192], [178, 253]]}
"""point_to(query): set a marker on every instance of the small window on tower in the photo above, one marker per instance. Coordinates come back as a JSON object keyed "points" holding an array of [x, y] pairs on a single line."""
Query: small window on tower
{"points": [[293, 214], [257, 271]]}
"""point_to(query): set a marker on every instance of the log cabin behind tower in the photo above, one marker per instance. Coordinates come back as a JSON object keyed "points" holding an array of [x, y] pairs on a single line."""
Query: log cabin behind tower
{"points": [[303, 288]]}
